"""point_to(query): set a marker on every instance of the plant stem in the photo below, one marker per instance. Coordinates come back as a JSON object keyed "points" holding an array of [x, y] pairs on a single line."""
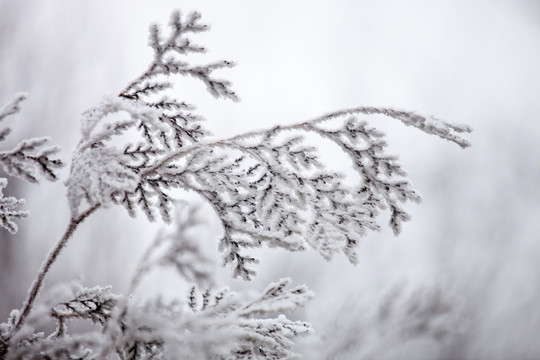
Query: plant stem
{"points": [[46, 265]]}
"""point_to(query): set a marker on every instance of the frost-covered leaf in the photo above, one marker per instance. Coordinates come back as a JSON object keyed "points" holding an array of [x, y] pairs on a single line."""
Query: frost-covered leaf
{"points": [[167, 53], [267, 190], [28, 160], [31, 158], [215, 325], [63, 302], [6, 329], [8, 214], [182, 249], [163, 123], [278, 298], [96, 174], [13, 107], [94, 304]]}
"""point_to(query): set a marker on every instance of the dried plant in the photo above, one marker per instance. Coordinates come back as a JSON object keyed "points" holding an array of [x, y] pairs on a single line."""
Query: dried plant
{"points": [[266, 187]]}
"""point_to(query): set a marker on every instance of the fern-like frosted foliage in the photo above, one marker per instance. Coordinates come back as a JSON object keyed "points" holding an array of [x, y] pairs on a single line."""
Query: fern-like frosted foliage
{"points": [[8, 212], [269, 190], [220, 325], [211, 325], [206, 325], [94, 304], [264, 187], [181, 248], [28, 160], [100, 169], [101, 172], [62, 303]]}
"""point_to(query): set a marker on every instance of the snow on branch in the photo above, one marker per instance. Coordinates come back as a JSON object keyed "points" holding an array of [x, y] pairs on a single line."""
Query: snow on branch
{"points": [[208, 324], [218, 325], [181, 249], [61, 303], [268, 190], [28, 160], [265, 189], [103, 173], [8, 214], [12, 108], [168, 52]]}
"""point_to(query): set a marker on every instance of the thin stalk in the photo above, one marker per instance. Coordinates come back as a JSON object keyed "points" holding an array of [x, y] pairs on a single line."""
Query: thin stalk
{"points": [[46, 265]]}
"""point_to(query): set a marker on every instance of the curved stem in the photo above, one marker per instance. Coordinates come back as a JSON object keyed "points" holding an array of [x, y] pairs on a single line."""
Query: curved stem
{"points": [[46, 265], [427, 124]]}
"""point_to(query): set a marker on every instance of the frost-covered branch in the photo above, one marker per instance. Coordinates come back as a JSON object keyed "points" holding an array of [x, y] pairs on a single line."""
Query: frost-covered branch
{"points": [[11, 108], [209, 324], [167, 54], [19, 316], [102, 173], [265, 189], [217, 325], [182, 250], [29, 160], [8, 214], [94, 304], [62, 303]]}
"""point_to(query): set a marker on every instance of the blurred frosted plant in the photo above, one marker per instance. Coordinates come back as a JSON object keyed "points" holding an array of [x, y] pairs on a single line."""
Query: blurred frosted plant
{"points": [[266, 187], [212, 324], [390, 327], [220, 325], [28, 160], [8, 214]]}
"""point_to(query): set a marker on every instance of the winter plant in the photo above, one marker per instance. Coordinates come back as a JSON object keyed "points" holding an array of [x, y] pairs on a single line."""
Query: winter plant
{"points": [[266, 187], [403, 316]]}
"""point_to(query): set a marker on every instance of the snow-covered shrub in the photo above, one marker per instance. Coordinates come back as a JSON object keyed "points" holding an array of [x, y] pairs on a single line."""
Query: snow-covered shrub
{"points": [[266, 187]]}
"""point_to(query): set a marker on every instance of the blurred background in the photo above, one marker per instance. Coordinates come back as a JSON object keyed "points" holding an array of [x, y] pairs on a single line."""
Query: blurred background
{"points": [[475, 62]]}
